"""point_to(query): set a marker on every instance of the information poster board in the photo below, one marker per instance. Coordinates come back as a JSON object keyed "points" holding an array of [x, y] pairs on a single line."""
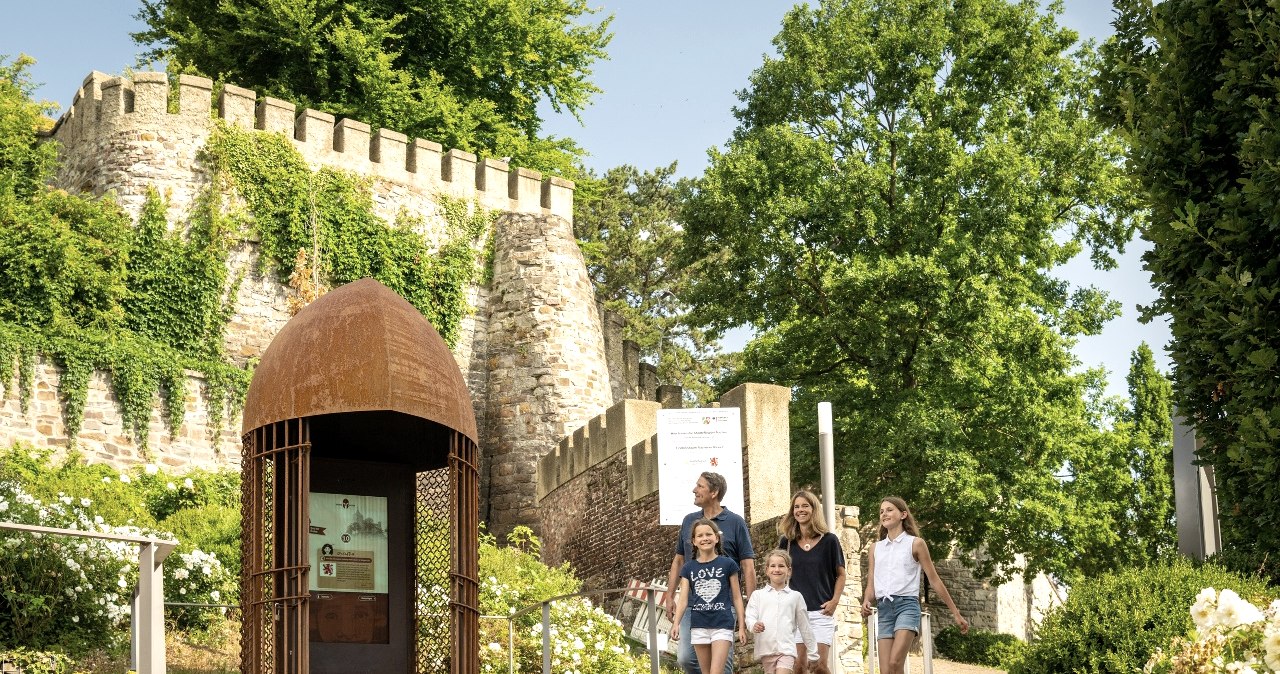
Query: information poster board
{"points": [[690, 442], [348, 579]]}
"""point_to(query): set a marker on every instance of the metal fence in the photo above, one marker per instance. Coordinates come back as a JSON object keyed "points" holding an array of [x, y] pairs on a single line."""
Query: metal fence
{"points": [[651, 608]]}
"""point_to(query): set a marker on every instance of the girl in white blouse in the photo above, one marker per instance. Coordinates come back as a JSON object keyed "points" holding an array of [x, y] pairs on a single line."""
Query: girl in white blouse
{"points": [[775, 613], [894, 566]]}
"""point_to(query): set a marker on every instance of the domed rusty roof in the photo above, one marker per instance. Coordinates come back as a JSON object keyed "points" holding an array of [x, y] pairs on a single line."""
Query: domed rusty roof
{"points": [[359, 348]]}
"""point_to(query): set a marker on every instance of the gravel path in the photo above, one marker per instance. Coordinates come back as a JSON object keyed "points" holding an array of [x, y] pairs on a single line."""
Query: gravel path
{"points": [[940, 666], [948, 667]]}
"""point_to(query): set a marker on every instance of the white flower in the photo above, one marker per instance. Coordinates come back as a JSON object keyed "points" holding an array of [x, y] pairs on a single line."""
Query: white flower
{"points": [[85, 502], [4, 505], [125, 478], [188, 484], [215, 595], [75, 618], [151, 469], [171, 486], [1234, 611], [495, 646]]}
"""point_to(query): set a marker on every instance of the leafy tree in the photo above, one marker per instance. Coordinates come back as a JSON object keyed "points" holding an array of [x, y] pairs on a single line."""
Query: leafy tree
{"points": [[468, 75], [25, 162], [905, 176], [61, 256], [1192, 83], [627, 223], [1151, 423]]}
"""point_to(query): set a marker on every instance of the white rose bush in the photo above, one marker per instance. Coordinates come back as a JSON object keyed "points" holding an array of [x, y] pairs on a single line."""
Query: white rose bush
{"points": [[57, 591], [584, 638], [70, 594], [1231, 636]]}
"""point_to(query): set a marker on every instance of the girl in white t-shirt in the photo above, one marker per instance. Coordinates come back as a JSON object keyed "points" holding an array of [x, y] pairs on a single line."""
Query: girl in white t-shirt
{"points": [[893, 571]]}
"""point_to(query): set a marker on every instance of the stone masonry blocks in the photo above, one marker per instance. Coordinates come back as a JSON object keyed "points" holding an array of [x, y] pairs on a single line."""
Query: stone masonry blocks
{"points": [[106, 106], [766, 431], [236, 105], [150, 93], [548, 375]]}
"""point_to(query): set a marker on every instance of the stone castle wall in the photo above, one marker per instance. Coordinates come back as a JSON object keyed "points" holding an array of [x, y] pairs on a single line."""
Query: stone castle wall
{"points": [[535, 332], [103, 438]]}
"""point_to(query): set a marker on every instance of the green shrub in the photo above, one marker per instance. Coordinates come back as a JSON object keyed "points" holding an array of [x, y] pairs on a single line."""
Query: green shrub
{"points": [[38, 662], [1113, 623], [72, 593], [112, 493], [583, 636], [61, 592], [978, 647]]}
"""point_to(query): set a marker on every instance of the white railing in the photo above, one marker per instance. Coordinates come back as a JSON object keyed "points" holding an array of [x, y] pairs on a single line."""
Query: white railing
{"points": [[926, 644], [146, 617]]}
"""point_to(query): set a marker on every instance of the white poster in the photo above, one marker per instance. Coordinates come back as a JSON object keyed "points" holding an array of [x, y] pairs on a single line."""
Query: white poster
{"points": [[693, 441], [348, 542]]}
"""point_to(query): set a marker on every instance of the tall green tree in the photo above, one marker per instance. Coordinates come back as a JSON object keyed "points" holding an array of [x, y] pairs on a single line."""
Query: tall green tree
{"points": [[1150, 419], [627, 223], [1193, 84], [469, 75], [905, 176]]}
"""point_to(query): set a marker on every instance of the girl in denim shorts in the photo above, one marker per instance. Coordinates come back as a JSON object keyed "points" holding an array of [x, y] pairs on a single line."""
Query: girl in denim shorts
{"points": [[894, 566]]}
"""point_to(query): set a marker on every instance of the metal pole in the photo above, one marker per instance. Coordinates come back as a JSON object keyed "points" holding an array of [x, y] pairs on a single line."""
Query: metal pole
{"points": [[926, 649], [826, 456], [652, 607], [511, 646], [873, 642], [546, 637]]}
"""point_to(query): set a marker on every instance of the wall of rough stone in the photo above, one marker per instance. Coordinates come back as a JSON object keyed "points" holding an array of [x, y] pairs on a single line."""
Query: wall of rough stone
{"points": [[547, 365], [1014, 607], [103, 438]]}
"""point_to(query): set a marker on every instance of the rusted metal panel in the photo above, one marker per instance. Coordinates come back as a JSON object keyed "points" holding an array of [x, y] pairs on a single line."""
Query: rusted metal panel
{"points": [[359, 348]]}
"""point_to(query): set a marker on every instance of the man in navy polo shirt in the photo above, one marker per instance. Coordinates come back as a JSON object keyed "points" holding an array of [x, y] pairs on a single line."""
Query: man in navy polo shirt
{"points": [[736, 540]]}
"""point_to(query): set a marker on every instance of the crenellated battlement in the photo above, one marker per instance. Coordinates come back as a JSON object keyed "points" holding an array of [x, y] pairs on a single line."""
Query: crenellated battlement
{"points": [[107, 106]]}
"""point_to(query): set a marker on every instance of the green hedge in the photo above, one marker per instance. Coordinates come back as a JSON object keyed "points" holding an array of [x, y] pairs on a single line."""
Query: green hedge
{"points": [[978, 647], [1113, 623]]}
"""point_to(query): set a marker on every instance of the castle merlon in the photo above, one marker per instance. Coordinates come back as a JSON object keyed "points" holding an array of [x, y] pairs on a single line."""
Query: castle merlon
{"points": [[106, 105]]}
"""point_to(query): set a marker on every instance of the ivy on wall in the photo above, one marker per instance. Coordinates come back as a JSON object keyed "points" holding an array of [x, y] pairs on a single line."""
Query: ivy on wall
{"points": [[146, 303], [142, 303], [325, 220], [89, 290]]}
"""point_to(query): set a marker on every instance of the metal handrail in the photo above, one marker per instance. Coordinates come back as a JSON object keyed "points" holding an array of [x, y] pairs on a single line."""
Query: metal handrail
{"points": [[146, 640], [650, 605]]}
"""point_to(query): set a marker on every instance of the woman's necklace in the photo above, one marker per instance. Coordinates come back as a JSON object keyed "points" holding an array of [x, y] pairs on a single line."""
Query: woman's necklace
{"points": [[806, 543]]}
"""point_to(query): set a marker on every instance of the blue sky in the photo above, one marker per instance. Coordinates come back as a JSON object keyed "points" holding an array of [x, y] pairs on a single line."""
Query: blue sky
{"points": [[668, 94]]}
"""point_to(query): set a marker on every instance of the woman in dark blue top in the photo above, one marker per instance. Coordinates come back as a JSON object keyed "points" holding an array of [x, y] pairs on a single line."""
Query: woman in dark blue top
{"points": [[817, 563]]}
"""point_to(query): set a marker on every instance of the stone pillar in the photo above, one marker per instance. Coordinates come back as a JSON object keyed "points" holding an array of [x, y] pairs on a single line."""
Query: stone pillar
{"points": [[847, 657], [548, 374], [766, 447]]}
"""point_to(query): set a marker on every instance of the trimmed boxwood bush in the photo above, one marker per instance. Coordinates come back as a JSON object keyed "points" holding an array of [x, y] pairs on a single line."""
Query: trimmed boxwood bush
{"points": [[1113, 623], [978, 647]]}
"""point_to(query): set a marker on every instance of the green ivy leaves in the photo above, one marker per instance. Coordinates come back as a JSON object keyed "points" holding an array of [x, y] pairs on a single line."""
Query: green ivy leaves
{"points": [[329, 215]]}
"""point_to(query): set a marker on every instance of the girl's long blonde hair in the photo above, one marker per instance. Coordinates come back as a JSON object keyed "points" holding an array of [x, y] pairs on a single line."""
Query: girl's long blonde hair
{"points": [[790, 529], [909, 524]]}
